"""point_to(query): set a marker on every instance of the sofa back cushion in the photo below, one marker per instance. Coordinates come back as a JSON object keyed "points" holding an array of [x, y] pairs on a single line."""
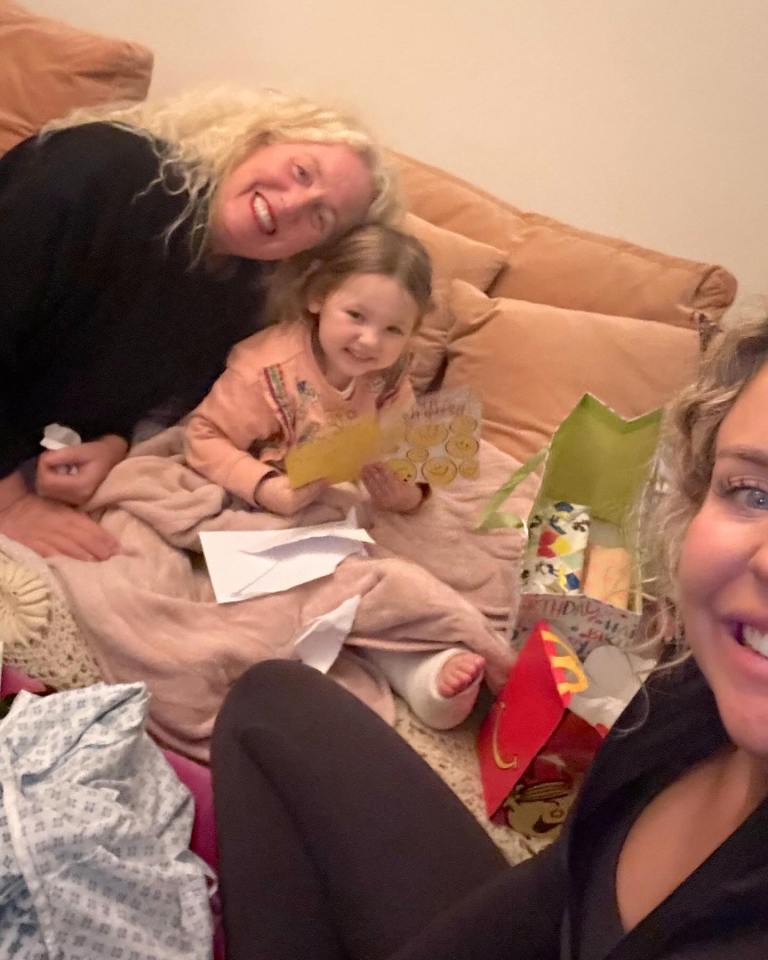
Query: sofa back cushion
{"points": [[47, 68], [553, 262], [454, 257], [530, 363]]}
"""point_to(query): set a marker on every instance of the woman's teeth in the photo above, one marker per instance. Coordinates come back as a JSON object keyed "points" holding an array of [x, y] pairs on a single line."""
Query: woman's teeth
{"points": [[263, 213], [755, 640]]}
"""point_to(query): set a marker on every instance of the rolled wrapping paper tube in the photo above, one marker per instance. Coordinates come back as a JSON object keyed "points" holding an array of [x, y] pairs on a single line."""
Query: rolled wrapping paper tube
{"points": [[554, 558]]}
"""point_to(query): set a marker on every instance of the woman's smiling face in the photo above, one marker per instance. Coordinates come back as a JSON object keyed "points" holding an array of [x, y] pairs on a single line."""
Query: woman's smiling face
{"points": [[723, 572], [288, 197]]}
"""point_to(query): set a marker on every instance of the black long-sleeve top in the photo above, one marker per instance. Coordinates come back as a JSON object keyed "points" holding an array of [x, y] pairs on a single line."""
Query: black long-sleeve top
{"points": [[101, 321], [561, 905]]}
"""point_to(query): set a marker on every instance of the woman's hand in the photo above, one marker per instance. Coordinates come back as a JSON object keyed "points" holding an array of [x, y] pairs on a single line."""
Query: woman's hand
{"points": [[72, 474], [276, 494], [388, 492], [49, 528]]}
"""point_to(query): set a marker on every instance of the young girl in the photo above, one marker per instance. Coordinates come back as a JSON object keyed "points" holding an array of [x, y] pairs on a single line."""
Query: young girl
{"points": [[337, 351]]}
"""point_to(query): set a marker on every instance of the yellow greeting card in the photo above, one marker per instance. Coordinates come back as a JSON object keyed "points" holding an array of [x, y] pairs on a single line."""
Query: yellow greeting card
{"points": [[435, 442], [336, 456], [439, 439]]}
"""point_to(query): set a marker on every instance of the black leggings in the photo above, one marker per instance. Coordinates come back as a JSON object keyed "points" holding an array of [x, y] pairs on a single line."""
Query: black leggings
{"points": [[337, 841]]}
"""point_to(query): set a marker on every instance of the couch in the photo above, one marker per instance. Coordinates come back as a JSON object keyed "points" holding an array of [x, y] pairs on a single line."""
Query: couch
{"points": [[530, 312]]}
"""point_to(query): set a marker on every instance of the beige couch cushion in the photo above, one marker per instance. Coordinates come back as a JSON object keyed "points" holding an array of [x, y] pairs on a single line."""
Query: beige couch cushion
{"points": [[47, 68], [552, 262], [530, 363], [454, 257]]}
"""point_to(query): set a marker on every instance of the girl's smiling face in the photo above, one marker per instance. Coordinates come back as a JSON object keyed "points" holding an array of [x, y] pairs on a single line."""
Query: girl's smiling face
{"points": [[723, 572], [363, 325]]}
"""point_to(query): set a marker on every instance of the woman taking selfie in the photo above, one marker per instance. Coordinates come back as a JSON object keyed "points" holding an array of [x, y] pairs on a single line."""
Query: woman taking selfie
{"points": [[338, 842]]}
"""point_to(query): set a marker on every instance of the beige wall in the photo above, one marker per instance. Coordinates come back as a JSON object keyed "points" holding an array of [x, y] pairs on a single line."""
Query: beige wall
{"points": [[643, 118]]}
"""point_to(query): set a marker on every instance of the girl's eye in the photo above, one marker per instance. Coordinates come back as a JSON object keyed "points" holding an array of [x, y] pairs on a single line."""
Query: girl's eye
{"points": [[355, 314], [397, 331]]}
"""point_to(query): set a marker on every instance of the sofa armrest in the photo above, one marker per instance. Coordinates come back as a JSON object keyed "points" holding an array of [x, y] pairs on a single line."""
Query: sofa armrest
{"points": [[48, 68]]}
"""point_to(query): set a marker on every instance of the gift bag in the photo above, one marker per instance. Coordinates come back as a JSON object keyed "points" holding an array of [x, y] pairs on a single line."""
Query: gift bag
{"points": [[542, 732], [578, 572]]}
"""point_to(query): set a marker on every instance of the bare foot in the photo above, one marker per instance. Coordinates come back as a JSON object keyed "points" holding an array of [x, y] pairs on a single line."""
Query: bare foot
{"points": [[459, 672]]}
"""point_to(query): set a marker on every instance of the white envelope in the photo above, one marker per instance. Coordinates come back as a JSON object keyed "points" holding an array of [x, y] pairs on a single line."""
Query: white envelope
{"points": [[252, 563]]}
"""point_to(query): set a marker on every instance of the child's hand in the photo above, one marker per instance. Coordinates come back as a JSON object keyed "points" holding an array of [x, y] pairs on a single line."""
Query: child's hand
{"points": [[278, 496], [72, 474], [388, 492]]}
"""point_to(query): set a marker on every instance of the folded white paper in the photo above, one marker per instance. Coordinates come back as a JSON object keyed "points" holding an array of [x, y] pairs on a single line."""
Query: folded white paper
{"points": [[252, 563], [614, 677], [319, 643]]}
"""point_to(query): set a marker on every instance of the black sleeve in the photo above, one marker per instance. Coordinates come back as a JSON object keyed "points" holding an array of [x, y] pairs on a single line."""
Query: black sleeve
{"points": [[52, 196], [31, 217], [516, 914]]}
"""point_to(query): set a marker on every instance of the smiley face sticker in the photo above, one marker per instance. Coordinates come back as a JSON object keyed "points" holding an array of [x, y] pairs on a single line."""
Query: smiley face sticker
{"points": [[440, 438], [461, 447], [418, 454], [462, 423], [439, 471], [469, 469]]}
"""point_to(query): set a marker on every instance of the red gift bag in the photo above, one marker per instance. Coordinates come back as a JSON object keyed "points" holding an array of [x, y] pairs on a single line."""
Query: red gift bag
{"points": [[533, 750]]}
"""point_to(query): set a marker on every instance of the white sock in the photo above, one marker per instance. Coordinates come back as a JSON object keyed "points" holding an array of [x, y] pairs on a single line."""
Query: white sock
{"points": [[414, 676]]}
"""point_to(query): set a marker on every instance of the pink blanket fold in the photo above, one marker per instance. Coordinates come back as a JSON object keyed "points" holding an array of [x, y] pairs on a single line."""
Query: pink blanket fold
{"points": [[149, 613]]}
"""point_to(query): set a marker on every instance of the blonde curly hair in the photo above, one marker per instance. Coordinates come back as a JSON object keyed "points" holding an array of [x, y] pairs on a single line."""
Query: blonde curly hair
{"points": [[201, 136], [686, 462]]}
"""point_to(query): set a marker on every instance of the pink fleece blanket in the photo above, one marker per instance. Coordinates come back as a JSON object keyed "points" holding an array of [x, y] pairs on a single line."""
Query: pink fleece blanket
{"points": [[149, 613]]}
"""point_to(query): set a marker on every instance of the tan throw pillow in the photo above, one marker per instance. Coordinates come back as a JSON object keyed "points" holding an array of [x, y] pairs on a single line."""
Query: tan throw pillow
{"points": [[559, 264], [554, 262], [530, 363], [453, 257], [47, 68]]}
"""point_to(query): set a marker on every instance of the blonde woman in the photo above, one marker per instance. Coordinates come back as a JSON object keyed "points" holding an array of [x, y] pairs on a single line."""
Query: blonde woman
{"points": [[337, 842], [133, 248]]}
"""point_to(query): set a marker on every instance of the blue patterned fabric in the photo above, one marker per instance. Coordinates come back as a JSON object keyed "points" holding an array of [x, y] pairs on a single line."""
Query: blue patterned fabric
{"points": [[94, 831]]}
